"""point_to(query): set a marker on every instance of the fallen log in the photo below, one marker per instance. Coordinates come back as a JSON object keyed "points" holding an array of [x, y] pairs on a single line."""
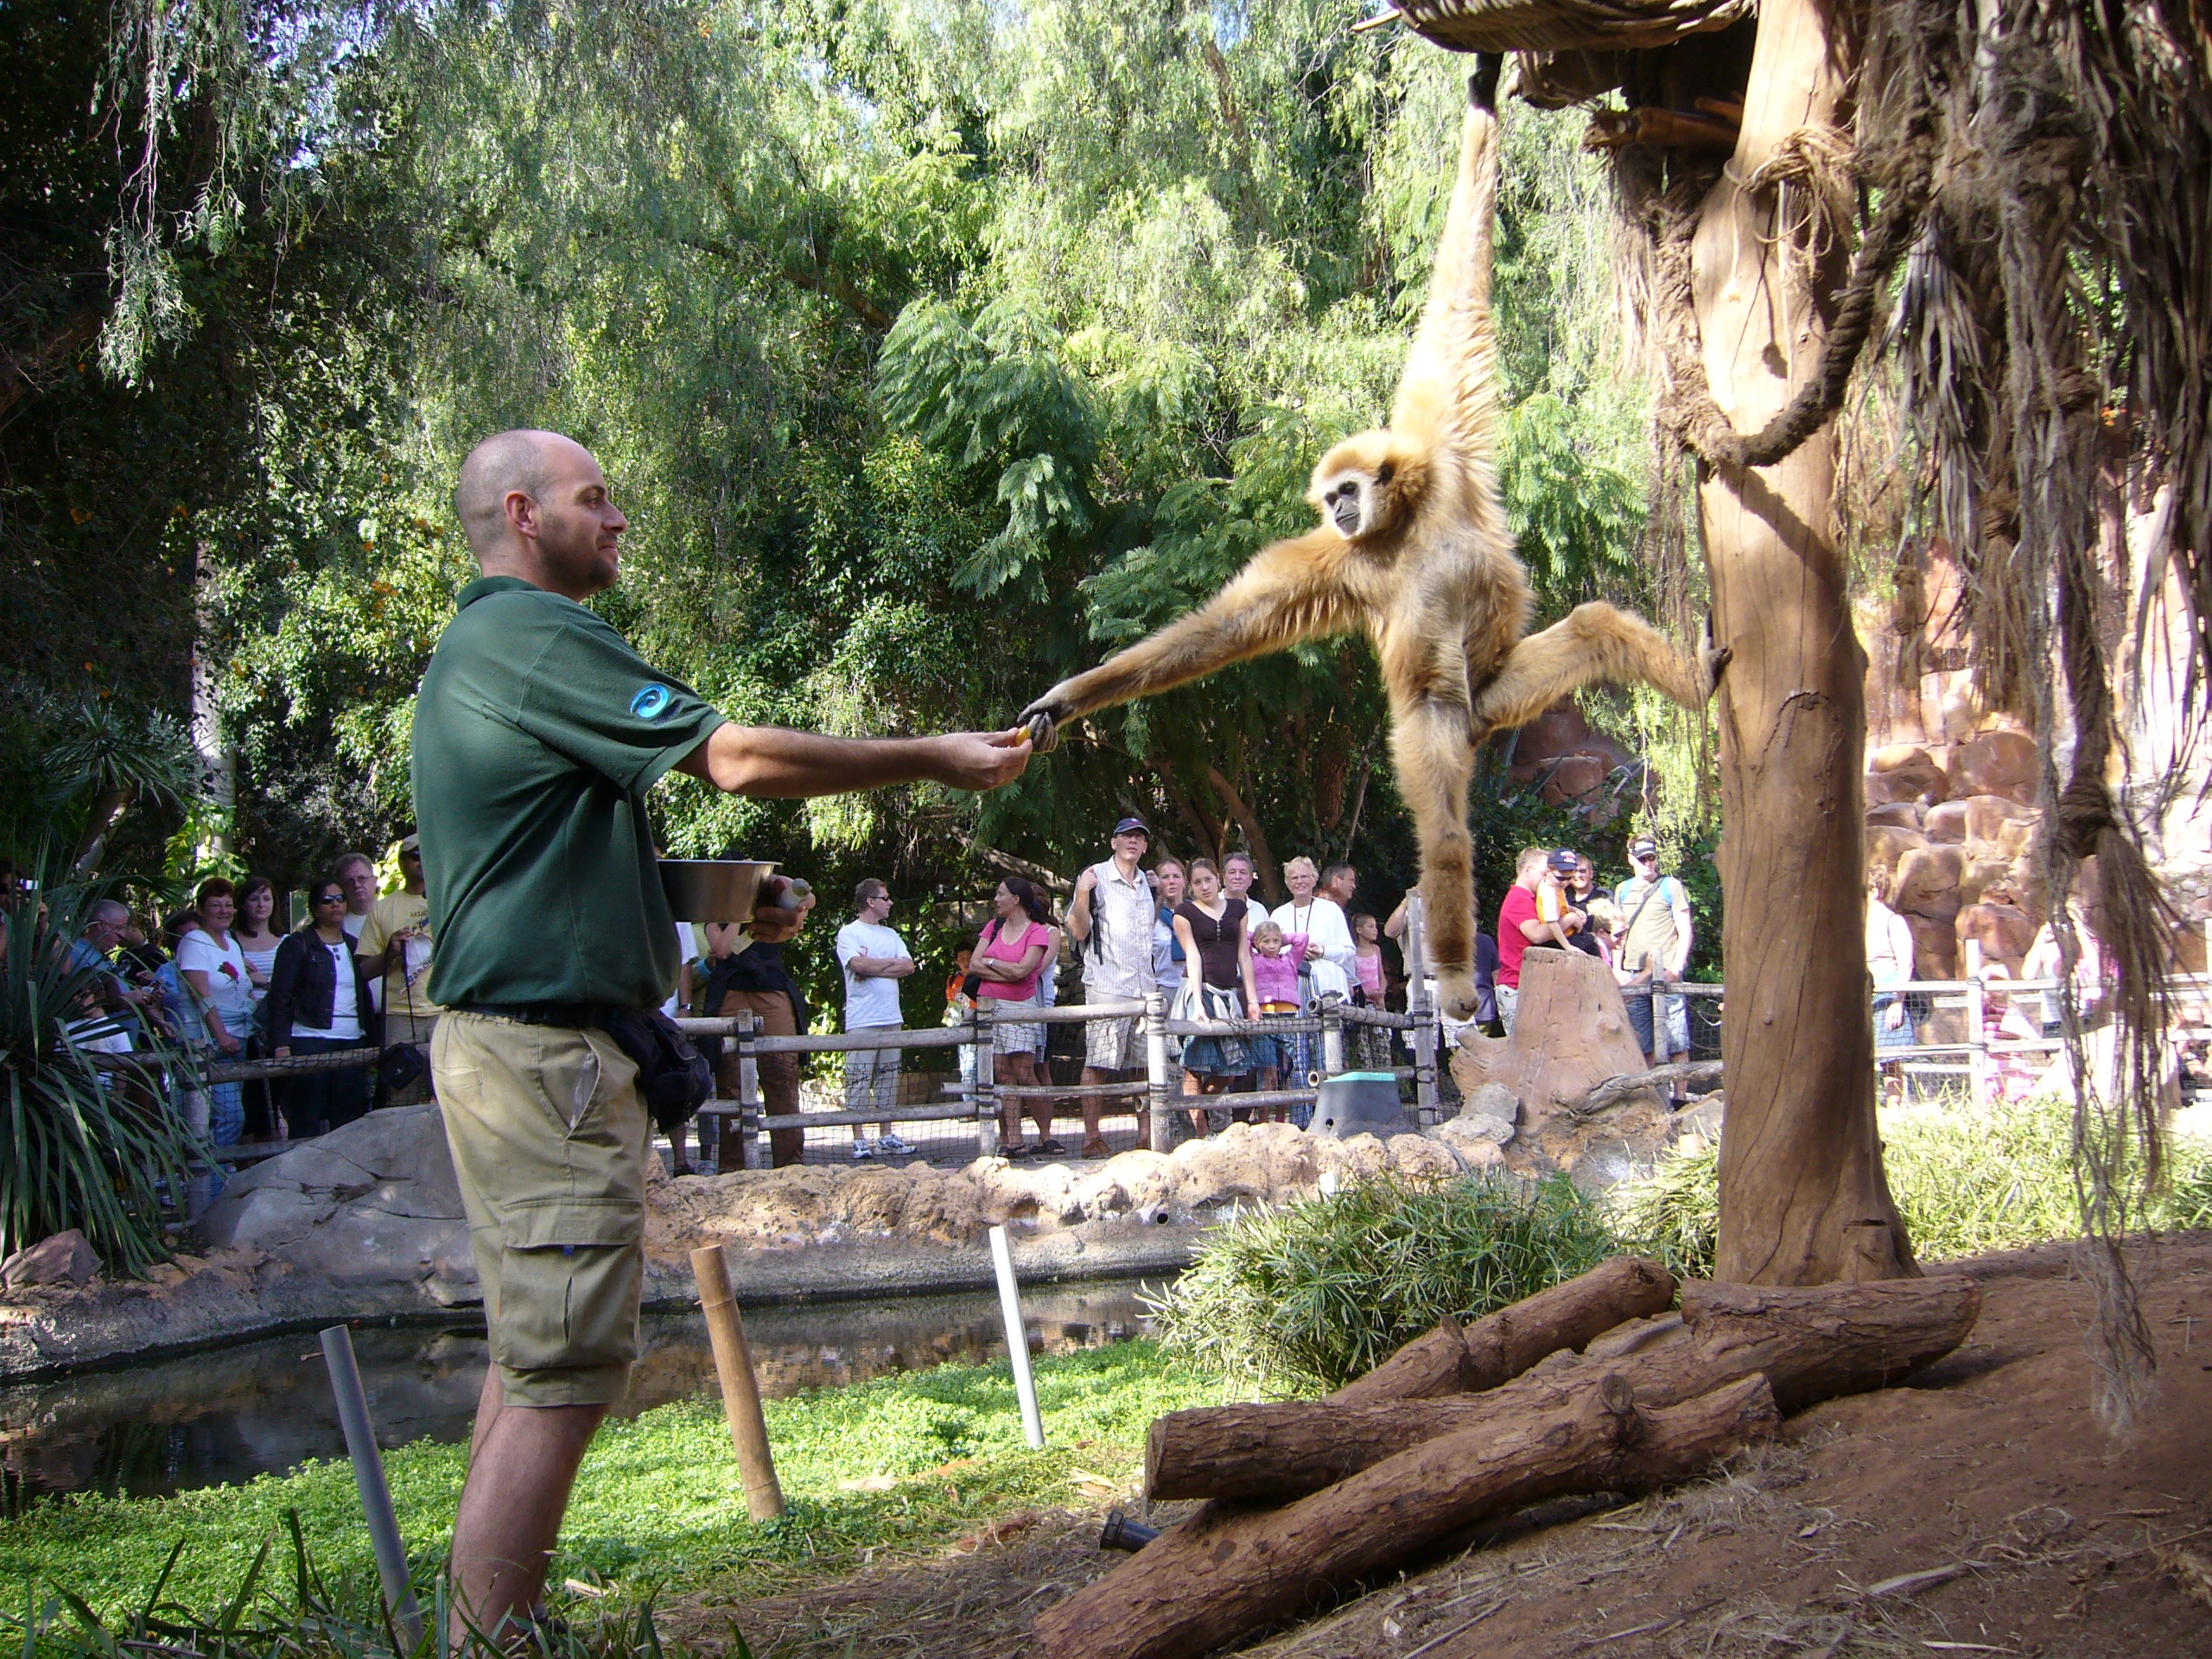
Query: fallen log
{"points": [[1456, 1359], [1199, 1585], [1811, 1343]]}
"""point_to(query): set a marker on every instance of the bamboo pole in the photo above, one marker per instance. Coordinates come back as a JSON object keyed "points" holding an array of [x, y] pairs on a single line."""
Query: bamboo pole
{"points": [[748, 1429]]}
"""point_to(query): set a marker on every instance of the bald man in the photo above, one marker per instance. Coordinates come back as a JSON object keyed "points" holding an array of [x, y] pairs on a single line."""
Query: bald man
{"points": [[537, 732]]}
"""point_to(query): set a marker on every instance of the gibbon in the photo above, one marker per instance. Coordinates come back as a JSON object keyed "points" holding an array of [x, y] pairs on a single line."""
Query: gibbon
{"points": [[1413, 547]]}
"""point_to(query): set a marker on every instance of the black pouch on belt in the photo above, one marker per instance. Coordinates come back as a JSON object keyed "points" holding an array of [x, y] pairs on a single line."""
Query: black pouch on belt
{"points": [[673, 1077]]}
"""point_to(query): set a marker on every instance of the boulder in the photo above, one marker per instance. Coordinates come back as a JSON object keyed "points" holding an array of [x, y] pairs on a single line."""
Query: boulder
{"points": [[65, 1258], [1473, 1140], [1886, 845], [1998, 822], [1928, 884], [1936, 948], [1995, 763], [1946, 823], [1899, 815], [373, 1204], [1415, 1157], [1907, 773], [1491, 1111], [2004, 931]]}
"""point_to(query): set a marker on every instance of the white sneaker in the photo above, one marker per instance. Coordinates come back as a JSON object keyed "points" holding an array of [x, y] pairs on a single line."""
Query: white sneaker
{"points": [[862, 1152], [892, 1147]]}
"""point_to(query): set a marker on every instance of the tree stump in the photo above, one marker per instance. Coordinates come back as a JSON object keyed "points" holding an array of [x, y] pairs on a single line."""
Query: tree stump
{"points": [[1570, 1034]]}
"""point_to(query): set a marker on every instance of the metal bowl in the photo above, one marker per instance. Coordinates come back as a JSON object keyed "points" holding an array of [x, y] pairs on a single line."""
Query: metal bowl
{"points": [[713, 889]]}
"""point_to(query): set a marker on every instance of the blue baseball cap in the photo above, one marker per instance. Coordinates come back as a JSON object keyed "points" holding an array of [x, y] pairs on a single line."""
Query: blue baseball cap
{"points": [[1564, 861], [1132, 826]]}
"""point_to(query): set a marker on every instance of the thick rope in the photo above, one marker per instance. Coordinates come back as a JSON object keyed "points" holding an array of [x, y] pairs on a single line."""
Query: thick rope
{"points": [[1689, 409]]}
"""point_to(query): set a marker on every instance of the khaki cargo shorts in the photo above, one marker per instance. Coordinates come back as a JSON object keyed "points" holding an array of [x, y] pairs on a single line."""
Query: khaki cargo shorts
{"points": [[549, 1139]]}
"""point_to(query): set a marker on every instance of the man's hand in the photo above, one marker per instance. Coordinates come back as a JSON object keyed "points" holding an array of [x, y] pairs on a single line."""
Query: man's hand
{"points": [[1086, 881], [982, 759]]}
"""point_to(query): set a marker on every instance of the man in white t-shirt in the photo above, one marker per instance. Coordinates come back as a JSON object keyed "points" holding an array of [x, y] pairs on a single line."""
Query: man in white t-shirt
{"points": [[357, 874], [395, 949], [875, 959], [1111, 918], [1237, 873]]}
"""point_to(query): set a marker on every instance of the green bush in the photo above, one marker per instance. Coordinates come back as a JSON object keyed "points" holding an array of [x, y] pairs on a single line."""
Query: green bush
{"points": [[103, 1153], [1310, 1296], [1967, 1179]]}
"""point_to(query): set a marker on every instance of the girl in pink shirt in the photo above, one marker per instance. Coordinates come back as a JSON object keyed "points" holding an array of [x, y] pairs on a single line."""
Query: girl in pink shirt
{"points": [[1275, 957]]}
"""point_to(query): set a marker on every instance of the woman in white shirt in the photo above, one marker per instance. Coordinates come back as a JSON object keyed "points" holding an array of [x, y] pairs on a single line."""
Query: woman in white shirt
{"points": [[1889, 960], [318, 1002], [214, 971]]}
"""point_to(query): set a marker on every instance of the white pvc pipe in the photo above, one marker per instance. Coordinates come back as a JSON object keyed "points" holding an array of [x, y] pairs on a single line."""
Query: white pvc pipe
{"points": [[368, 1476], [1017, 1339]]}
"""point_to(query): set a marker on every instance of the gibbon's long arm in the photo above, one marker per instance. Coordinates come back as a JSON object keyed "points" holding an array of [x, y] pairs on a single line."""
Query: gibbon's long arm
{"points": [[1447, 395], [1289, 592]]}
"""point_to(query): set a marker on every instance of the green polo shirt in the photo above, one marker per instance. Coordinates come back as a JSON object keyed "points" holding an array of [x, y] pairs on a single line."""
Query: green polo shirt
{"points": [[537, 732]]}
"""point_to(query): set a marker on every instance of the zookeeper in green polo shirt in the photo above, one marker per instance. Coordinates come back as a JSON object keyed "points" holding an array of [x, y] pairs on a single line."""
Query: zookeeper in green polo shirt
{"points": [[537, 732]]}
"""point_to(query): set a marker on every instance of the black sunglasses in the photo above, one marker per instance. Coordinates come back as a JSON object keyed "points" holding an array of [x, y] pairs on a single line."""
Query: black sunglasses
{"points": [[329, 899]]}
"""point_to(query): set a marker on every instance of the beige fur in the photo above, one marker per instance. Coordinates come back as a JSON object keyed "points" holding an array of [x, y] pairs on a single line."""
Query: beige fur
{"points": [[1413, 547]]}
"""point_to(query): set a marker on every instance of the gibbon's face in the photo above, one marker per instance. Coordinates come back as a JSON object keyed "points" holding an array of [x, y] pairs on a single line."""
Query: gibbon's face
{"points": [[1356, 486]]}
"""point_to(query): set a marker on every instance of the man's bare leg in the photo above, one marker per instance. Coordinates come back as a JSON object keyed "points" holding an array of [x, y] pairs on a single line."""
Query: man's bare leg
{"points": [[523, 1460]]}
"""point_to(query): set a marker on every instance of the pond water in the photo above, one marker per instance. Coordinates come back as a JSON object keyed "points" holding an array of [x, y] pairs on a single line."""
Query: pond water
{"points": [[262, 1408]]}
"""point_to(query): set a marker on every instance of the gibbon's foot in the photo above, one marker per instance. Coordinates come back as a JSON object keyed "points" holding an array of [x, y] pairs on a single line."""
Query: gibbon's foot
{"points": [[1711, 660], [1481, 86], [1455, 994]]}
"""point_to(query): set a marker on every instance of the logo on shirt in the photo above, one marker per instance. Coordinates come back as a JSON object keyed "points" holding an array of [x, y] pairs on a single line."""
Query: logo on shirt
{"points": [[652, 702]]}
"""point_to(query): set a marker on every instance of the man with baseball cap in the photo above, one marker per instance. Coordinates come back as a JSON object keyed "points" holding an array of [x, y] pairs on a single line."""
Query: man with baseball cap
{"points": [[395, 949], [1111, 918], [1655, 947]]}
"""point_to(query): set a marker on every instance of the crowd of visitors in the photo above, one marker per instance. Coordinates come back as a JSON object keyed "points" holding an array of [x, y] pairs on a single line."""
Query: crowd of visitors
{"points": [[219, 976]]}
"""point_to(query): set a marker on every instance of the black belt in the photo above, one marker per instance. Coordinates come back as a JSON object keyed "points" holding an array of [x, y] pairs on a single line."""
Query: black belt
{"points": [[577, 1016]]}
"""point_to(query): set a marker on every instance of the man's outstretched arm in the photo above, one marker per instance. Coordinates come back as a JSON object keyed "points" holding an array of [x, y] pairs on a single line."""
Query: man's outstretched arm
{"points": [[776, 762]]}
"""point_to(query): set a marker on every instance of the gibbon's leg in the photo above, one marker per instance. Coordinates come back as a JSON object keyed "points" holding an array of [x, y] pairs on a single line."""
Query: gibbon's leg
{"points": [[1289, 592], [1430, 750], [1595, 643]]}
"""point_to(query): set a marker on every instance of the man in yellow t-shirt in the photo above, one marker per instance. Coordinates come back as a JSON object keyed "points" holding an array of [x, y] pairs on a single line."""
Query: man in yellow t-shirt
{"points": [[395, 946]]}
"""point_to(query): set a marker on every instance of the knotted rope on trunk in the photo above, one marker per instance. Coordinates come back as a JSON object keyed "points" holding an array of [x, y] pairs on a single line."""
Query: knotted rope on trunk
{"points": [[1687, 409]]}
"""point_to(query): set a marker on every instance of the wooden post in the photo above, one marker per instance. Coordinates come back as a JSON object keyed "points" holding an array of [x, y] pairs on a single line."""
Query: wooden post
{"points": [[748, 1092], [1977, 1031], [1803, 1196], [748, 1429], [987, 1090], [1332, 1036], [1424, 1017], [1155, 1070]]}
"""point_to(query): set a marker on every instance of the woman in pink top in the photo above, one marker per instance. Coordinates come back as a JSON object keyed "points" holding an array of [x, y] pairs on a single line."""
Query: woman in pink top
{"points": [[1007, 955]]}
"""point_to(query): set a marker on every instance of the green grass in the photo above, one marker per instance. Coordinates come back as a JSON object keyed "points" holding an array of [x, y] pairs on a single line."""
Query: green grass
{"points": [[1966, 1180], [658, 1501], [1303, 1299]]}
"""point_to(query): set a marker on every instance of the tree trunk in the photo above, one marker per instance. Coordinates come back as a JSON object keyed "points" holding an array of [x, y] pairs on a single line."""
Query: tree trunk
{"points": [[1194, 1588], [1453, 1359], [1803, 1196], [1810, 1345], [1570, 1034]]}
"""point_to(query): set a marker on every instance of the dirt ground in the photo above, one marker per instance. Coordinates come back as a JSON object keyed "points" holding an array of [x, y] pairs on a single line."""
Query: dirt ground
{"points": [[1977, 1510]]}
